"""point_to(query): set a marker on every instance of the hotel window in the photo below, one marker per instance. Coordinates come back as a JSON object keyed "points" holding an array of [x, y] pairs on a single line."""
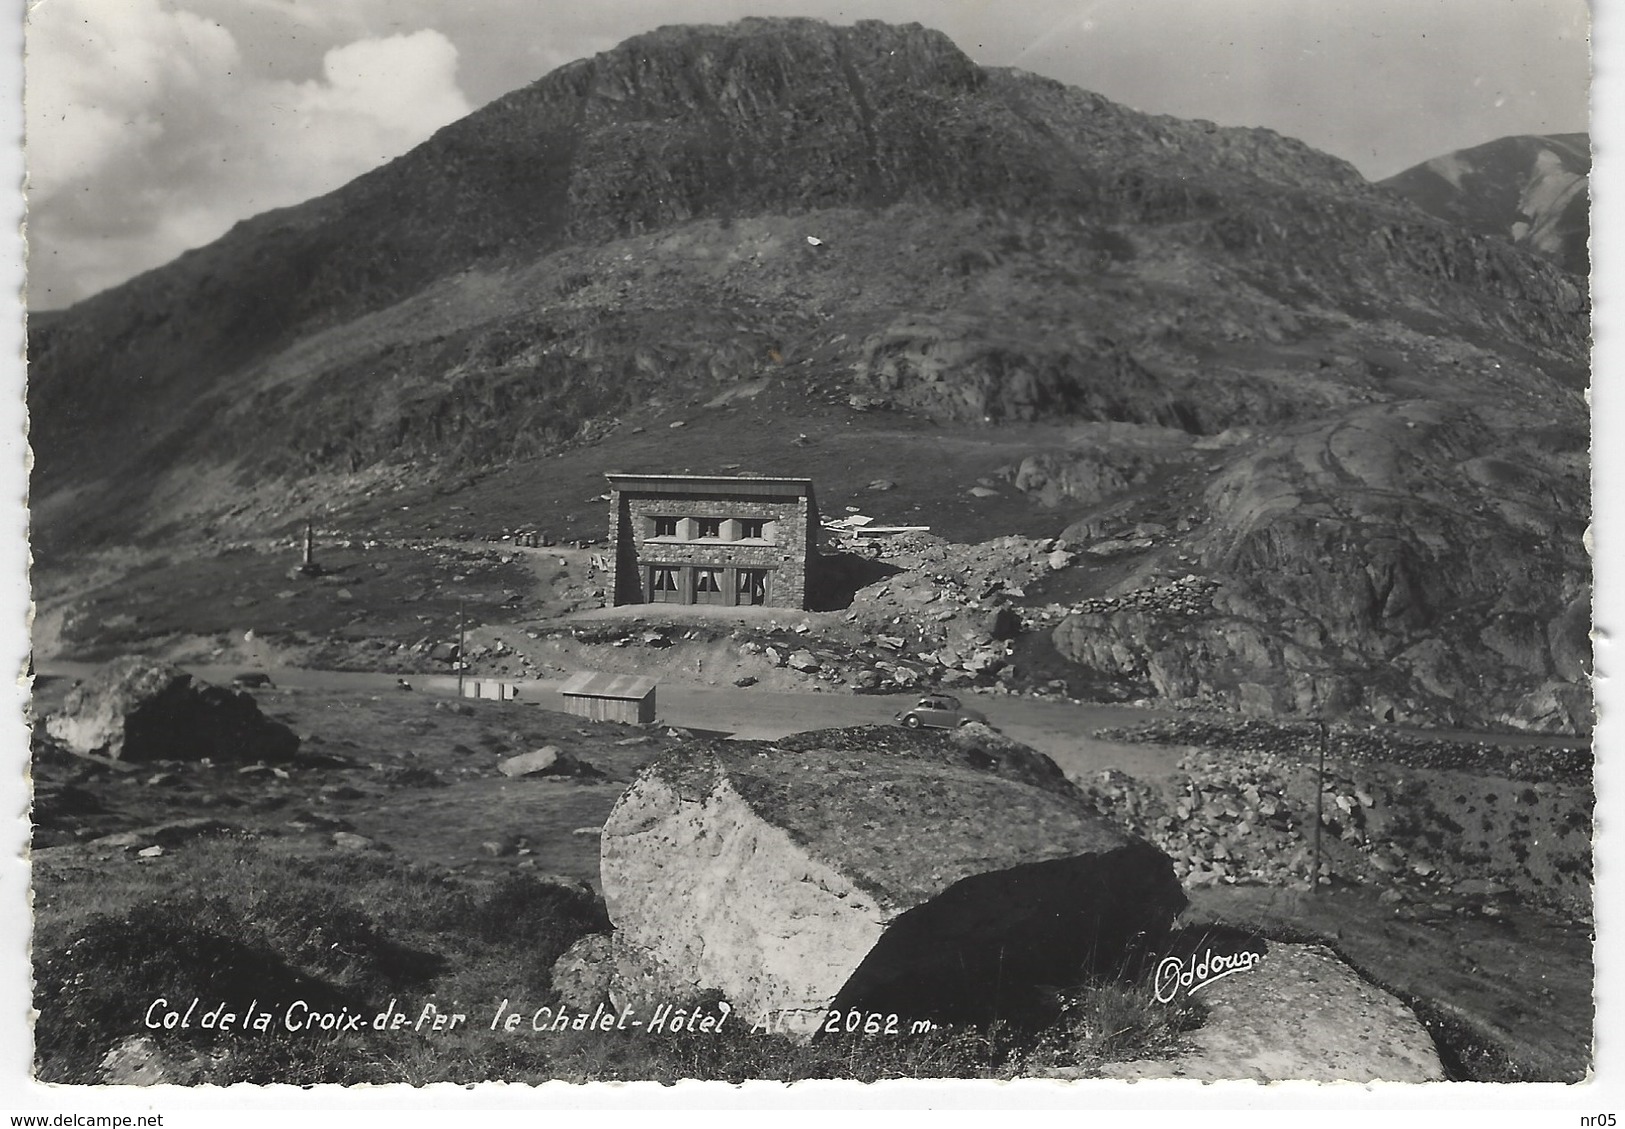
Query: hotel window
{"points": [[752, 528], [665, 527], [710, 528]]}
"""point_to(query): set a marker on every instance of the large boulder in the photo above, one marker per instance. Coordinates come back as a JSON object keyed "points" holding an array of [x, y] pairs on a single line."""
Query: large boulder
{"points": [[922, 874], [139, 709]]}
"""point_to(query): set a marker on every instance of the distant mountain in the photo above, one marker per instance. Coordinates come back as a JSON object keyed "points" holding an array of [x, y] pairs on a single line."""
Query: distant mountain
{"points": [[1366, 422], [1533, 190]]}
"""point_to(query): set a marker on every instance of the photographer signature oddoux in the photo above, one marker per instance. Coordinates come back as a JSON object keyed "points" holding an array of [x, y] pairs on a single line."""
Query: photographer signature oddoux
{"points": [[1173, 973]]}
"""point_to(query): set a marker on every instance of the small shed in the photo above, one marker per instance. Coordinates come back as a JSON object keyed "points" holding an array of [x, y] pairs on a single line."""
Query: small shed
{"points": [[490, 688], [610, 697]]}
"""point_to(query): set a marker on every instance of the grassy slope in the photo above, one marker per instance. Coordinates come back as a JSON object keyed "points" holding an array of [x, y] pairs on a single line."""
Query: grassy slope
{"points": [[272, 911]]}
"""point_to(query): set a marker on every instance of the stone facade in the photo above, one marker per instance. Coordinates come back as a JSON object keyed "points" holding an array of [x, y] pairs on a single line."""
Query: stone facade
{"points": [[727, 541]]}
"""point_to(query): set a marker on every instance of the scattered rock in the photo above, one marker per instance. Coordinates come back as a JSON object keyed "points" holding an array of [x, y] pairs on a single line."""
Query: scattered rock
{"points": [[350, 841], [410, 776], [1480, 888], [310, 821], [802, 661], [546, 761], [584, 974], [1003, 623], [164, 834], [1110, 548]]}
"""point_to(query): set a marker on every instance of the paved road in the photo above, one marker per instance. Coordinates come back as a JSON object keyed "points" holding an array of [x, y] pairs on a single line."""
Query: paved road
{"points": [[1060, 729]]}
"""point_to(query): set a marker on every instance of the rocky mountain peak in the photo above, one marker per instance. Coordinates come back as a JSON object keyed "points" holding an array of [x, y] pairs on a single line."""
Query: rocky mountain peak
{"points": [[759, 66]]}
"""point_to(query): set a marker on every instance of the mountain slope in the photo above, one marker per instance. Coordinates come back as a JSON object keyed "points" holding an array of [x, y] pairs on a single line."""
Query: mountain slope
{"points": [[857, 228], [760, 118], [1533, 190]]}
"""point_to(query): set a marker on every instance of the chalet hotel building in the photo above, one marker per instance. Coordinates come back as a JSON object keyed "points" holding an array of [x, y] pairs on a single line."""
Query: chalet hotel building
{"points": [[709, 539]]}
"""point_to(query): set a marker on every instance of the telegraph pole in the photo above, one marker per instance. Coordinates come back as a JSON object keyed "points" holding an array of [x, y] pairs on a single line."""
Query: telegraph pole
{"points": [[462, 648], [1320, 800]]}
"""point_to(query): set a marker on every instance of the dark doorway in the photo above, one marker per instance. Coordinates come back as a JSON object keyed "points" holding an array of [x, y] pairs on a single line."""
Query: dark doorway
{"points": [[751, 586], [708, 586], [665, 585]]}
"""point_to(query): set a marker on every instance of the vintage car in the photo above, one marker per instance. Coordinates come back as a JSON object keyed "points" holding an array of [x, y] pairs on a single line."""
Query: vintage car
{"points": [[939, 711]]}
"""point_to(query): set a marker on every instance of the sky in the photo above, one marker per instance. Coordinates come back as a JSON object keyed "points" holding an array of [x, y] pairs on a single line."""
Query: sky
{"points": [[154, 125]]}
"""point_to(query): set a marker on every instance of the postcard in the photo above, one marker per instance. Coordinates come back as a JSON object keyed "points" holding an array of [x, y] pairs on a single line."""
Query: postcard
{"points": [[1040, 548]]}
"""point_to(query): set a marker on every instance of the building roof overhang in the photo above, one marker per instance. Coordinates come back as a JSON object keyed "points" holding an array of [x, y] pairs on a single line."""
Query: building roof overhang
{"points": [[754, 486]]}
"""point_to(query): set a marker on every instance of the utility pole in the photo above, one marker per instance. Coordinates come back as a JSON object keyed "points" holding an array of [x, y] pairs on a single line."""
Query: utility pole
{"points": [[462, 648], [1320, 794]]}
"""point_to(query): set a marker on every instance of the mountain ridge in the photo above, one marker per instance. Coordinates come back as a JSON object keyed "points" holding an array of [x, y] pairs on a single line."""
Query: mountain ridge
{"points": [[872, 228], [1530, 189]]}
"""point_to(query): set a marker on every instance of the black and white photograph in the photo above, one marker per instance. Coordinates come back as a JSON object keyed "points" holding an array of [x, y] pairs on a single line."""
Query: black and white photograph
{"points": [[757, 542]]}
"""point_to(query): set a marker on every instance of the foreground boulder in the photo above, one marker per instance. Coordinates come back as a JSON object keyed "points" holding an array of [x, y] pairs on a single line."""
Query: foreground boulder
{"points": [[1299, 1014], [926, 875], [138, 709]]}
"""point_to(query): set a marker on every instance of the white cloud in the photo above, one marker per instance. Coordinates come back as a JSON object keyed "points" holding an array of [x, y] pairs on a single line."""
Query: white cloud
{"points": [[149, 133], [365, 80], [98, 81]]}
